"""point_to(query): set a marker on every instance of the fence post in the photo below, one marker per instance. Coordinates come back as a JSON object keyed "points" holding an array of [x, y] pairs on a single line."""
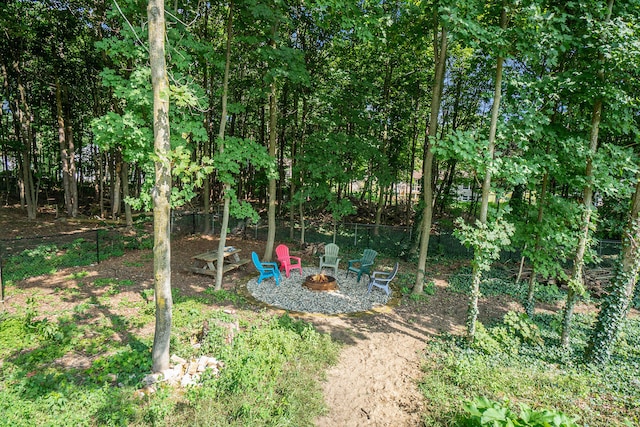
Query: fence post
{"points": [[1, 284], [98, 246], [355, 236]]}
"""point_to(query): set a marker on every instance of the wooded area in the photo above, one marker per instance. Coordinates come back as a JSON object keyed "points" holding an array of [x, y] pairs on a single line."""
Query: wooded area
{"points": [[326, 105]]}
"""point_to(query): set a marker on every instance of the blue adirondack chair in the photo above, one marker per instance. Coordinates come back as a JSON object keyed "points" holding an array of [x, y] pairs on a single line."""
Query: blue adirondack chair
{"points": [[362, 265], [330, 258], [266, 269], [381, 279]]}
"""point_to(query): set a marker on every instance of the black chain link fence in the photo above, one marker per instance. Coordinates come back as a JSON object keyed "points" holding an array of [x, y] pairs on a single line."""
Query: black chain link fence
{"points": [[392, 241]]}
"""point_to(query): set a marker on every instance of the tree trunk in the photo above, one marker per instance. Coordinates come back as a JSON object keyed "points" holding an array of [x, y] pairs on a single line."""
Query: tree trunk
{"points": [[273, 117], [64, 151], [206, 184], [576, 283], [529, 304], [116, 184], [221, 132], [382, 179], [102, 175], [162, 188], [292, 185], [71, 155], [440, 55], [472, 312], [125, 194], [382, 189], [414, 143], [615, 306], [24, 134]]}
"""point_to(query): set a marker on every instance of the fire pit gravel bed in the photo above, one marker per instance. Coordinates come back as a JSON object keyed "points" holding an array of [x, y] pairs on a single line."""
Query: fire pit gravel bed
{"points": [[350, 297]]}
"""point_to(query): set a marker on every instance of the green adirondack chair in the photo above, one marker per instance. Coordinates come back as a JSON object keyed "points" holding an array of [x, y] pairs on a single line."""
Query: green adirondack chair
{"points": [[362, 265], [330, 258]]}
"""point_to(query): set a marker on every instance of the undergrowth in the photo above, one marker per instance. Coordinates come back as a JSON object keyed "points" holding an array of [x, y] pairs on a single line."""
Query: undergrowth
{"points": [[270, 375], [499, 282], [49, 258], [521, 360]]}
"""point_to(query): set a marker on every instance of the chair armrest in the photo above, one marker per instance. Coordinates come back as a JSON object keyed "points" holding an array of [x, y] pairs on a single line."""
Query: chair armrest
{"points": [[296, 257], [270, 264], [380, 275]]}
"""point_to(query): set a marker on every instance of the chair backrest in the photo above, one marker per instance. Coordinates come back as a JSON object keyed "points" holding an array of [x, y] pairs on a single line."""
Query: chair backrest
{"points": [[282, 252], [393, 273], [256, 262], [331, 251], [368, 256]]}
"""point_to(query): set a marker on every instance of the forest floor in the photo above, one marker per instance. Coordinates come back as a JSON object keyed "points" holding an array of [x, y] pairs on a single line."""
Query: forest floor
{"points": [[376, 379]]}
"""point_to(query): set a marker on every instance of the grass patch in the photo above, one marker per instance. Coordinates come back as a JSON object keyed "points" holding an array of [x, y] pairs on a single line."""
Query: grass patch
{"points": [[271, 375], [49, 258], [270, 378]]}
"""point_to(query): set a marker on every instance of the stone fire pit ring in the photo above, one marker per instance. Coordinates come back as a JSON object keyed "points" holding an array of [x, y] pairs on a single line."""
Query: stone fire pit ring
{"points": [[349, 297]]}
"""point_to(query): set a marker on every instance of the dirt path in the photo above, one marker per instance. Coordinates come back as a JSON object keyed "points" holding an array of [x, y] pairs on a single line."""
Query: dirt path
{"points": [[375, 382]]}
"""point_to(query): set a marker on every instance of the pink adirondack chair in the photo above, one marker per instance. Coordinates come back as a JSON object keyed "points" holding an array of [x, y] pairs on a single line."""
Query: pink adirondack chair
{"points": [[287, 261]]}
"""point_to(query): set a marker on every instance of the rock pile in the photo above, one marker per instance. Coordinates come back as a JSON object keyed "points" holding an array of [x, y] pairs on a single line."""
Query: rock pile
{"points": [[184, 373]]}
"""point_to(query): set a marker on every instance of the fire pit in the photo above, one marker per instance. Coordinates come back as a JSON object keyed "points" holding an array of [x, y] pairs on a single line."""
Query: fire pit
{"points": [[320, 282]]}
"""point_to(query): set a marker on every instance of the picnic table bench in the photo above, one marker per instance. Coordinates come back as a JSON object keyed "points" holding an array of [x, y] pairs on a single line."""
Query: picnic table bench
{"points": [[205, 263]]}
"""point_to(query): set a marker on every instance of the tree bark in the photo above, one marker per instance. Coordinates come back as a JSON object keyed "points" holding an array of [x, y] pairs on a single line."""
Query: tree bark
{"points": [[273, 118], [529, 304], [616, 304], [206, 185], [24, 135], [125, 194], [162, 188], [221, 132], [440, 54], [472, 312], [576, 283], [116, 184], [382, 180], [67, 157]]}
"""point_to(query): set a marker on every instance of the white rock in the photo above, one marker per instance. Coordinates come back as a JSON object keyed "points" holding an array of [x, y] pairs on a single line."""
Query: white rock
{"points": [[186, 380], [177, 359]]}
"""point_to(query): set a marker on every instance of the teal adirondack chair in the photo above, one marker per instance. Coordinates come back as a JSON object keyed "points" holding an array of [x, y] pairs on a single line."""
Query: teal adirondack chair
{"points": [[266, 269], [362, 265], [330, 258]]}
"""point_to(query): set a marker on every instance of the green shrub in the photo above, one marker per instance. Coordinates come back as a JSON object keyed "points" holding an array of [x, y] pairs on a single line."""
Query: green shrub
{"points": [[484, 412], [269, 378], [523, 327], [484, 342]]}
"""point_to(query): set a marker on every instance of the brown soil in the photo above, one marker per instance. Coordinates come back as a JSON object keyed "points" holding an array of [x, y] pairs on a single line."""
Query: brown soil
{"points": [[375, 382]]}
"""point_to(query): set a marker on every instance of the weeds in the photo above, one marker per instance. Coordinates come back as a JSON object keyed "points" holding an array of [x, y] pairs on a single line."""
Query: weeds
{"points": [[521, 358]]}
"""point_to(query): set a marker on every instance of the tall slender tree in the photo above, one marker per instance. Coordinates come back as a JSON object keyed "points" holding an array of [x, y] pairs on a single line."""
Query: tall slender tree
{"points": [[162, 187], [615, 306], [440, 54], [476, 276], [221, 132], [576, 282]]}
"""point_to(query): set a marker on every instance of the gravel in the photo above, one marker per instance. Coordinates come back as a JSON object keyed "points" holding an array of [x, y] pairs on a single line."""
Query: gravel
{"points": [[351, 296]]}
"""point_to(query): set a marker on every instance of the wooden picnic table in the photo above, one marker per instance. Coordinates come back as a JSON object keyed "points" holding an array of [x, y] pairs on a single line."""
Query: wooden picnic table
{"points": [[205, 263]]}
